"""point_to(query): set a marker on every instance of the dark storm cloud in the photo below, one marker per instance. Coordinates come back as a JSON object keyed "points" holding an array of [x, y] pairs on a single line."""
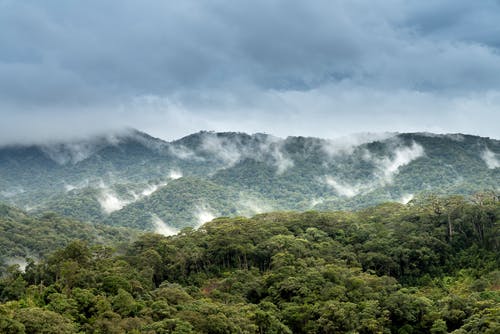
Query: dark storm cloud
{"points": [[177, 66]]}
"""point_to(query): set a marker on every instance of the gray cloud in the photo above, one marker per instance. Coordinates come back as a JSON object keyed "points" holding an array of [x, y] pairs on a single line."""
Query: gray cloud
{"points": [[286, 67]]}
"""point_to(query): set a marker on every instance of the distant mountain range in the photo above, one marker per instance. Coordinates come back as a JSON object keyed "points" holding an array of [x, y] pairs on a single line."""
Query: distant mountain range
{"points": [[132, 179]]}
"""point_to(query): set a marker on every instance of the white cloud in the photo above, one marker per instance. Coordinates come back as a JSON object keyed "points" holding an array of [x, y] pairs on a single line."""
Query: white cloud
{"points": [[490, 158], [347, 144], [203, 214], [389, 166], [344, 189], [406, 198], [250, 206], [110, 202], [162, 228], [175, 174]]}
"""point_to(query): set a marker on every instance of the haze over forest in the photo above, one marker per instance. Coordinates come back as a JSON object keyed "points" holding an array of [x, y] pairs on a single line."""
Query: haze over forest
{"points": [[266, 166]]}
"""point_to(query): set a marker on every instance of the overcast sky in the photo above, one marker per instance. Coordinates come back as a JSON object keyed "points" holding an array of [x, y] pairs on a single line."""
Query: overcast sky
{"points": [[312, 67]]}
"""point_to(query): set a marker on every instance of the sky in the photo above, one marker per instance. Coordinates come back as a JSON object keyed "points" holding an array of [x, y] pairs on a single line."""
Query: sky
{"points": [[324, 68]]}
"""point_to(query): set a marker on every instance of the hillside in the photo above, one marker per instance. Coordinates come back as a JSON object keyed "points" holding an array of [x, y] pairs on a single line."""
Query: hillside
{"points": [[23, 236], [428, 267], [132, 178]]}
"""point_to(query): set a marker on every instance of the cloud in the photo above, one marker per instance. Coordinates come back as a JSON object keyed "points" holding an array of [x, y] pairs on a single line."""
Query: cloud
{"points": [[162, 228], [406, 198], [229, 151], [250, 206], [347, 144], [231, 148], [490, 158], [345, 189], [401, 156], [175, 174], [110, 202], [384, 169], [173, 68], [203, 214], [20, 261], [151, 188]]}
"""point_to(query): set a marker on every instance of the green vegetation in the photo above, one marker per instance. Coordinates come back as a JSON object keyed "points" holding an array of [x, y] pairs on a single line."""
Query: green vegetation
{"points": [[238, 174], [179, 204], [432, 266], [24, 236]]}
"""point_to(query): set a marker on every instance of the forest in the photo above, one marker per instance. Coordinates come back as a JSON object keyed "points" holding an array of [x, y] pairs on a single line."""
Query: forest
{"points": [[431, 266]]}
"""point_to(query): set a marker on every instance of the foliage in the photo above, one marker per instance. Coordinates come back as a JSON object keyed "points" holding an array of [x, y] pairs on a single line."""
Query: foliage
{"points": [[237, 174], [24, 236], [428, 267]]}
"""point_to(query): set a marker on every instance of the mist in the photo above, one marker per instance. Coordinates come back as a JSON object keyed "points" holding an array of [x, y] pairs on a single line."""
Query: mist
{"points": [[20, 261], [346, 145], [110, 202], [491, 159], [175, 174], [343, 188], [401, 156], [160, 227], [250, 206], [406, 198], [349, 67], [204, 214]]}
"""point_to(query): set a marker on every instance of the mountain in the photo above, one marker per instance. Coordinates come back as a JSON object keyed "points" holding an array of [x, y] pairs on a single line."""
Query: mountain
{"points": [[23, 235], [132, 179], [392, 268]]}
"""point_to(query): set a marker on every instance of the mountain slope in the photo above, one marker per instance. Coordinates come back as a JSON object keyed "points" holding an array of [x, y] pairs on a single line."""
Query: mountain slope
{"points": [[22, 235], [132, 178]]}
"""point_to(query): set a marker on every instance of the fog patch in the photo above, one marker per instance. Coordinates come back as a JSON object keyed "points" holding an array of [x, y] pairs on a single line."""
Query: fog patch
{"points": [[346, 145], [251, 206], [273, 147], [69, 187], [203, 214], [83, 184], [316, 201], [78, 150], [224, 149], [490, 158], [175, 174], [12, 192], [260, 147], [20, 261], [110, 201], [406, 198], [150, 189], [453, 136], [389, 166], [162, 228], [183, 153], [342, 188]]}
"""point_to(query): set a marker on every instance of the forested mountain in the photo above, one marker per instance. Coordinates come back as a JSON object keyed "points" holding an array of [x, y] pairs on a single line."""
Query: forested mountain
{"points": [[431, 266], [133, 179], [23, 236]]}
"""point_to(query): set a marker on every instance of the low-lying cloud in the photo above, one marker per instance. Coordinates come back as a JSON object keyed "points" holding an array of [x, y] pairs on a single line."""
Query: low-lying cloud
{"points": [[406, 198], [491, 159], [171, 69], [204, 214], [110, 202], [175, 174], [389, 166], [385, 169], [162, 228], [345, 189]]}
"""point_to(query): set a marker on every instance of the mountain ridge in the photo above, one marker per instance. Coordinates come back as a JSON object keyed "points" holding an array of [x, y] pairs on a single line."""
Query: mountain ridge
{"points": [[259, 170]]}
